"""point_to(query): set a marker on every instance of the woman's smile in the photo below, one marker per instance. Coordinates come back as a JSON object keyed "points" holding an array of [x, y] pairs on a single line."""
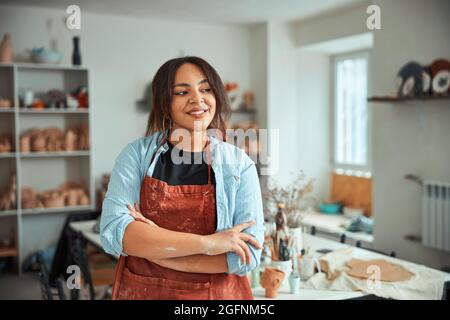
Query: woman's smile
{"points": [[198, 113]]}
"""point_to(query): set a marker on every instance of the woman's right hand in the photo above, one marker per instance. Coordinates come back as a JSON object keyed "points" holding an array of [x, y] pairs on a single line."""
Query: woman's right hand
{"points": [[232, 239]]}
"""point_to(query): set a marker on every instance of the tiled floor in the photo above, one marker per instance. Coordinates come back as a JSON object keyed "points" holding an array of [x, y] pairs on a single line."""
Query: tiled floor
{"points": [[25, 287]]}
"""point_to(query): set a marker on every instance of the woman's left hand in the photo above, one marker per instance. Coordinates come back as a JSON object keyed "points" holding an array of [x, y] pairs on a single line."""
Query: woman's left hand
{"points": [[136, 213]]}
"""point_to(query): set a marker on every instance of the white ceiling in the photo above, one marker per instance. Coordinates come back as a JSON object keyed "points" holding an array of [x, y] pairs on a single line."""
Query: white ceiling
{"points": [[203, 11]]}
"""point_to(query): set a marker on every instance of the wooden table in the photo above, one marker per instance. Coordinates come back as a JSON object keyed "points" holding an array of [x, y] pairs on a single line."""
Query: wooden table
{"points": [[314, 242]]}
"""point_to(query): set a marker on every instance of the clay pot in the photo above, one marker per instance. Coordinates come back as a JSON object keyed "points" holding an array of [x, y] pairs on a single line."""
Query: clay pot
{"points": [[71, 197], [25, 144], [8, 198], [70, 140], [83, 143], [52, 199], [5, 144], [6, 49], [5, 103], [38, 144], [29, 198], [271, 280], [83, 200]]}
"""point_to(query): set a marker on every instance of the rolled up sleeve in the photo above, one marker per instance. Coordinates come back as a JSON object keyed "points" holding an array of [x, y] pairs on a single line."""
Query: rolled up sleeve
{"points": [[123, 188], [248, 207]]}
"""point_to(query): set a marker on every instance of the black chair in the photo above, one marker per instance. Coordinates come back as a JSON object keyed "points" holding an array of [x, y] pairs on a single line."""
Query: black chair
{"points": [[49, 291], [343, 238], [79, 258], [391, 254], [62, 258]]}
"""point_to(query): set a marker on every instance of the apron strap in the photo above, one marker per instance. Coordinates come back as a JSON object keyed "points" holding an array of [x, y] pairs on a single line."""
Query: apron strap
{"points": [[208, 159]]}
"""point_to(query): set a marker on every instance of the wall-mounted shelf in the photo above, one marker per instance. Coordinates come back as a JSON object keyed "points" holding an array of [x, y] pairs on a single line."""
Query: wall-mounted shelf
{"points": [[7, 155], [53, 111], [55, 154], [6, 213], [34, 229], [55, 210], [8, 252], [406, 99]]}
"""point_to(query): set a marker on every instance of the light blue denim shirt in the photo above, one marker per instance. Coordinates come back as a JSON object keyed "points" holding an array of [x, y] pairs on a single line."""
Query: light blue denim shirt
{"points": [[238, 194]]}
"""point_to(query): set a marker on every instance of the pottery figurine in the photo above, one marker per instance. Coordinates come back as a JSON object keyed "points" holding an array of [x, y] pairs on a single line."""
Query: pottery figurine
{"points": [[5, 143], [5, 103], [271, 280], [25, 145], [70, 140], [38, 143]]}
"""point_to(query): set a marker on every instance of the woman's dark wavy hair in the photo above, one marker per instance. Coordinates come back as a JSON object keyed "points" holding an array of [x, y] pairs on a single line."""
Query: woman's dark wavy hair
{"points": [[162, 93]]}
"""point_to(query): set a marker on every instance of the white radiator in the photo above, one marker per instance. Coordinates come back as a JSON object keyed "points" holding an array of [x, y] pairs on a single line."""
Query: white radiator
{"points": [[436, 215]]}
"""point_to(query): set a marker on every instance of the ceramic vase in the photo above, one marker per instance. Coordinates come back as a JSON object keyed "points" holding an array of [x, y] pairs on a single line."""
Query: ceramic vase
{"points": [[6, 49], [271, 280]]}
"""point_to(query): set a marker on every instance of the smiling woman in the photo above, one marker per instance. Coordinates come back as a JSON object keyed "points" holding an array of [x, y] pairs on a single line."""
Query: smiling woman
{"points": [[191, 229], [194, 85]]}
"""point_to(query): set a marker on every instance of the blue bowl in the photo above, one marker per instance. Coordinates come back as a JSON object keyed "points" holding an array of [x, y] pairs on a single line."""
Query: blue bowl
{"points": [[41, 55], [330, 208]]}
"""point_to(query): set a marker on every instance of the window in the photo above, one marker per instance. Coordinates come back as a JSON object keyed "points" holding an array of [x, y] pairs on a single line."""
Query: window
{"points": [[351, 116]]}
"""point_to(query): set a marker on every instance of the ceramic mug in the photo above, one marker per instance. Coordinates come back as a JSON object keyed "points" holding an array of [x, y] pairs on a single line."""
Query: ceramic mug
{"points": [[294, 283]]}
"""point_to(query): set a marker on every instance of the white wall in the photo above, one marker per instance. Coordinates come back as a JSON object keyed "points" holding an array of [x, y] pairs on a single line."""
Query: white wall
{"points": [[409, 138], [317, 40], [258, 69], [282, 107], [299, 107], [314, 113], [123, 54]]}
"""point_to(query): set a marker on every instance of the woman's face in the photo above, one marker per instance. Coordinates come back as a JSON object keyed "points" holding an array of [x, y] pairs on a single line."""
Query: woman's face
{"points": [[193, 102]]}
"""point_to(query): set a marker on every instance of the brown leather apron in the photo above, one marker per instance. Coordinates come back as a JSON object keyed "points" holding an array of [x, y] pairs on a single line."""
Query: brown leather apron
{"points": [[184, 208]]}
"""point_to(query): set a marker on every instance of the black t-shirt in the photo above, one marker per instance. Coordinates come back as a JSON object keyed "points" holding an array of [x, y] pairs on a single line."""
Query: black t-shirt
{"points": [[195, 172]]}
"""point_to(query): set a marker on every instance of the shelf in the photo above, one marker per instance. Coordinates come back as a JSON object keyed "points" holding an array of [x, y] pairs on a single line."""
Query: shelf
{"points": [[41, 66], [55, 154], [56, 210], [54, 111], [253, 111], [6, 110], [6, 213], [53, 168], [8, 252], [7, 155], [400, 100]]}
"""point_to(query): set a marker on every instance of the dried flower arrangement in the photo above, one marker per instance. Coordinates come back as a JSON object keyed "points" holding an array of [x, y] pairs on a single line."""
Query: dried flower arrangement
{"points": [[281, 241], [293, 196]]}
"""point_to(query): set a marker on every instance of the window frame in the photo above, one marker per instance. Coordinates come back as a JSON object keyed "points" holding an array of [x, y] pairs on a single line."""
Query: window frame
{"points": [[352, 169]]}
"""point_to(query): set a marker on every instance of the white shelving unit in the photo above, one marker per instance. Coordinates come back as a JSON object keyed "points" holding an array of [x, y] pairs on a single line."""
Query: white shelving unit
{"points": [[35, 229]]}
